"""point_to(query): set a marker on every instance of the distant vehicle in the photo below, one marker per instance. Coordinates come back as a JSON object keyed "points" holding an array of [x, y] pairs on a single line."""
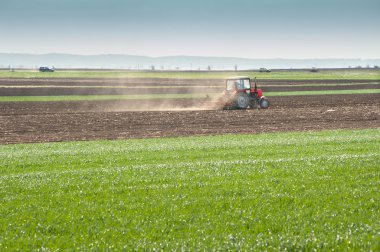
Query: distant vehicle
{"points": [[313, 70], [46, 69], [264, 70]]}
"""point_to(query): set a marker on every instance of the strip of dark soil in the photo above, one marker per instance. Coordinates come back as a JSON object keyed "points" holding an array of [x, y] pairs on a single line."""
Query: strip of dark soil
{"points": [[103, 91], [47, 122], [49, 91], [24, 108]]}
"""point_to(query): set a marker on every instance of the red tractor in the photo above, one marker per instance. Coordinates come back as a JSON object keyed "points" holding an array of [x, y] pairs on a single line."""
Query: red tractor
{"points": [[239, 94]]}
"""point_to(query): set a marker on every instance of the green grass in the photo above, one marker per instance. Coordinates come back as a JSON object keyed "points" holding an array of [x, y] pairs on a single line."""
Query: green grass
{"points": [[189, 86], [324, 92], [369, 74], [319, 84], [284, 191], [170, 96], [107, 87]]}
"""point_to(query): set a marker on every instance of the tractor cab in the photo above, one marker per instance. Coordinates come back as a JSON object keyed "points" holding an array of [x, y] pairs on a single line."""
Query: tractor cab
{"points": [[243, 84], [238, 83], [239, 93]]}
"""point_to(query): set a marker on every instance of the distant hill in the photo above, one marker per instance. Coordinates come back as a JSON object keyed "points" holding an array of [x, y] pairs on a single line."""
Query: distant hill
{"points": [[117, 61]]}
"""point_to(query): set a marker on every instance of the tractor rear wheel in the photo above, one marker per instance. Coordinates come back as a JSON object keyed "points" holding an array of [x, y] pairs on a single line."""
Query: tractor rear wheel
{"points": [[264, 103], [242, 100]]}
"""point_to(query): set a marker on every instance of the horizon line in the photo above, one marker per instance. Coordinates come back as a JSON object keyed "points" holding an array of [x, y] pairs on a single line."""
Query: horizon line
{"points": [[189, 56]]}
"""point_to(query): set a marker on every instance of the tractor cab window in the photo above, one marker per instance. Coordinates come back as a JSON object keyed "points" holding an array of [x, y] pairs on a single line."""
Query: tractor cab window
{"points": [[231, 85], [247, 84], [239, 84]]}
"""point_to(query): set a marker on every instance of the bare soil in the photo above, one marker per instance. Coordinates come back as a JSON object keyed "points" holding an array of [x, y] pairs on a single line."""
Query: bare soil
{"points": [[46, 91], [27, 122]]}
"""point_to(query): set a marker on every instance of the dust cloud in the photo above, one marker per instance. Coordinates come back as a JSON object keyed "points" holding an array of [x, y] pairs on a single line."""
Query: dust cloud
{"points": [[120, 94], [166, 94]]}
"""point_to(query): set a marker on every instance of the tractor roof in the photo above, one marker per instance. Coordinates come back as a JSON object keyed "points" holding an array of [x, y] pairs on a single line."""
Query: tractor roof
{"points": [[238, 77]]}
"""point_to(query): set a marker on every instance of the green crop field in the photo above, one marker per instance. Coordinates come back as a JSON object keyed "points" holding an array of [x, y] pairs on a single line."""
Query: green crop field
{"points": [[363, 74], [324, 92], [171, 96], [282, 191], [190, 86]]}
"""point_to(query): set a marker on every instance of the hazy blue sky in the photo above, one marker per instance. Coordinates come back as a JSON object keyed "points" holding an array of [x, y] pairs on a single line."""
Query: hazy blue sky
{"points": [[240, 28]]}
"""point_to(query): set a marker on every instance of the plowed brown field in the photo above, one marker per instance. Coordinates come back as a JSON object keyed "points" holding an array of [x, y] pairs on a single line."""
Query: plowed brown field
{"points": [[24, 122]]}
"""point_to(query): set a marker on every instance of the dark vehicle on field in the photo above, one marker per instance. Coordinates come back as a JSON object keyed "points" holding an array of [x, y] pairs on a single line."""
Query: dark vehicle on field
{"points": [[314, 70], [264, 70], [46, 69], [239, 94]]}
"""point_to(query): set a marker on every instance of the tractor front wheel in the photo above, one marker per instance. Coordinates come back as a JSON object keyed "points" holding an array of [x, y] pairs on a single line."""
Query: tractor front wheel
{"points": [[242, 100], [264, 103]]}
